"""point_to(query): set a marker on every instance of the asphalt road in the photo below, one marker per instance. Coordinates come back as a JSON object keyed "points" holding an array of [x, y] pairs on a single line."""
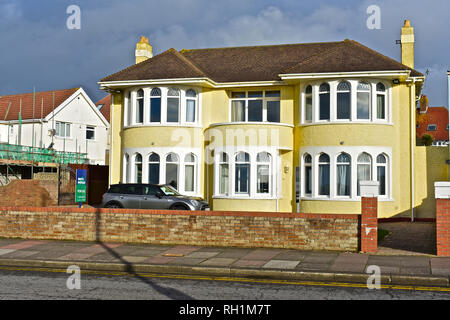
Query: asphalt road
{"points": [[32, 285]]}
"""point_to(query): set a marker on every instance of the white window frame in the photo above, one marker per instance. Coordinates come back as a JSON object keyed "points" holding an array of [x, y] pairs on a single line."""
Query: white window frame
{"points": [[91, 128], [264, 99], [333, 153], [66, 125]]}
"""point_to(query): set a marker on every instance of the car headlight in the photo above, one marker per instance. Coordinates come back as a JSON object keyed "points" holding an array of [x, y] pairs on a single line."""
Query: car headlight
{"points": [[195, 203]]}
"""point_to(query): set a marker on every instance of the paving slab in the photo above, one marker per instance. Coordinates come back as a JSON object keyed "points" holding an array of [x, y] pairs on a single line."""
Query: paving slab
{"points": [[307, 266], [249, 263], [349, 258], [281, 264], [414, 261], [384, 270], [202, 254], [134, 259], [23, 244], [145, 252], [440, 262], [262, 254], [416, 271], [218, 262], [185, 261], [348, 267], [388, 261], [6, 251], [319, 258], [233, 253], [159, 260], [440, 272], [18, 254], [291, 255], [75, 256], [179, 251]]}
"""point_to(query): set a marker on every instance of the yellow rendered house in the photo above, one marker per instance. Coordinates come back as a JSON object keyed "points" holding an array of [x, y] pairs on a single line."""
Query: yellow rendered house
{"points": [[279, 128]]}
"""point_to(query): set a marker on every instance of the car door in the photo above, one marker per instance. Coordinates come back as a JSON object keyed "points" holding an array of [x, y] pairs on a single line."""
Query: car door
{"points": [[130, 196], [150, 199]]}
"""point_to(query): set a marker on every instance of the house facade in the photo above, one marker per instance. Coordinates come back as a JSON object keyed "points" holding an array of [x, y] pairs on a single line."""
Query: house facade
{"points": [[63, 120], [281, 128]]}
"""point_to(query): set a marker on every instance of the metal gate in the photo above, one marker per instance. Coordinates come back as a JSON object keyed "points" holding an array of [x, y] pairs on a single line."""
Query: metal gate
{"points": [[66, 185]]}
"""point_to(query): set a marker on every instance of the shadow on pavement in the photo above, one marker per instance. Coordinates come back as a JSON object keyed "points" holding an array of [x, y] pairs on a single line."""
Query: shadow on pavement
{"points": [[168, 292]]}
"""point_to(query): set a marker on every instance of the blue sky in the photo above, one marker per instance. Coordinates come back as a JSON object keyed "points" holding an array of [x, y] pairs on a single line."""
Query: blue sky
{"points": [[38, 50]]}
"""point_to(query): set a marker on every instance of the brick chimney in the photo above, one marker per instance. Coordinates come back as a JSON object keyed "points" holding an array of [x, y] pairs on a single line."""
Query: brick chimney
{"points": [[407, 41], [143, 50]]}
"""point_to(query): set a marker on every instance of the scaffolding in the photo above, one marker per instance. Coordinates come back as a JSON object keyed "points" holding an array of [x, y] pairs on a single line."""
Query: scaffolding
{"points": [[40, 155]]}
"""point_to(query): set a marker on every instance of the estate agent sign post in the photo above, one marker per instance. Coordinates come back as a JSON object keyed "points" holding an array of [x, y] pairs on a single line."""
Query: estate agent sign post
{"points": [[81, 188]]}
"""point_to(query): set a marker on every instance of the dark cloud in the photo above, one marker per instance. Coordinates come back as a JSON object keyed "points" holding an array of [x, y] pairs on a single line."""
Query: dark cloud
{"points": [[38, 50]]}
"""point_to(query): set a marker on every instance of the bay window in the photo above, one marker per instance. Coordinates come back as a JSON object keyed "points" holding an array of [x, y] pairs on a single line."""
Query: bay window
{"points": [[263, 172], [324, 101], [138, 168], [140, 106], [324, 175], [172, 170], [153, 168], [381, 173], [343, 174], [308, 103], [364, 169], [343, 100], [223, 173], [189, 173], [381, 101], [173, 105], [242, 173], [363, 99], [191, 97], [155, 105], [308, 174]]}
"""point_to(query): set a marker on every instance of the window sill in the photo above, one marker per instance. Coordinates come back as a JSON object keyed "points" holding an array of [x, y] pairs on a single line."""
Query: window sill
{"points": [[251, 123], [342, 199], [345, 123], [186, 125], [236, 197]]}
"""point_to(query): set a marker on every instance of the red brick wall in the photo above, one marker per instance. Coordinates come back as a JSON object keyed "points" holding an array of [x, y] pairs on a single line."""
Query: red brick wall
{"points": [[443, 227], [239, 229], [369, 225], [25, 192]]}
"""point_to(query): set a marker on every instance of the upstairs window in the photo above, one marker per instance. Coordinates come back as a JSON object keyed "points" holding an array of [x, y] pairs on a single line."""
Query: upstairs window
{"points": [[173, 105], [324, 102], [255, 106], [343, 100], [62, 129], [191, 98], [155, 105], [140, 106], [363, 101], [381, 101], [308, 103], [90, 133]]}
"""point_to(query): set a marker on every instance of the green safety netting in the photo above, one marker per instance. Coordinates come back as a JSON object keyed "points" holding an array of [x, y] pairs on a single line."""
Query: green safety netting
{"points": [[16, 152]]}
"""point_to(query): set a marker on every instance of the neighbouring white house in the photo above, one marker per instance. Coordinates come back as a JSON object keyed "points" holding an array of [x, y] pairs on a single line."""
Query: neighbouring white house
{"points": [[63, 120]]}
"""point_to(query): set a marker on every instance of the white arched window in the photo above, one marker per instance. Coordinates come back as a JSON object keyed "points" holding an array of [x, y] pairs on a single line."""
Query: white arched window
{"points": [[381, 101], [173, 105], [242, 173], [153, 168], [364, 165], [307, 175], [308, 104], [138, 168], [382, 174], [191, 101], [128, 110], [189, 172], [324, 101], [126, 168], [140, 106], [263, 161], [343, 101], [172, 170], [155, 105], [324, 175], [223, 173], [363, 101], [343, 175]]}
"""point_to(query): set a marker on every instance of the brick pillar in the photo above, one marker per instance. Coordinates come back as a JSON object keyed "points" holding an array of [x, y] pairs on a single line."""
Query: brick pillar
{"points": [[369, 216], [442, 195]]}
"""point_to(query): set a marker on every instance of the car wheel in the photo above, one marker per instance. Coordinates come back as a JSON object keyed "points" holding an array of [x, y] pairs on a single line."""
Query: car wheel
{"points": [[179, 207], [113, 205]]}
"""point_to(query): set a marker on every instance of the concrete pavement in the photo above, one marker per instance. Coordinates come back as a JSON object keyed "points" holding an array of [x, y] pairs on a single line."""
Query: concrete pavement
{"points": [[280, 264]]}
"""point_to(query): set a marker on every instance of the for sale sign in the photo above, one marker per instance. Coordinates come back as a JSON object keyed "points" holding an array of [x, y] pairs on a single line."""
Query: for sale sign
{"points": [[81, 187]]}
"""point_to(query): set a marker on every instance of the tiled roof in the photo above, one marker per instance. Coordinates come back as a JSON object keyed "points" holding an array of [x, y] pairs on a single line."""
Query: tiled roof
{"points": [[260, 63], [43, 104], [105, 109], [437, 116]]}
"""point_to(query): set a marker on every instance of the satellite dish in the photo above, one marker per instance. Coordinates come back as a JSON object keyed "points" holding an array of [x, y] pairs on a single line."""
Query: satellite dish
{"points": [[51, 132]]}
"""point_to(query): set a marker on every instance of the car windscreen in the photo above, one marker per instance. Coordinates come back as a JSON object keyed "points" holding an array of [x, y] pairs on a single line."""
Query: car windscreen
{"points": [[130, 189], [169, 191]]}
